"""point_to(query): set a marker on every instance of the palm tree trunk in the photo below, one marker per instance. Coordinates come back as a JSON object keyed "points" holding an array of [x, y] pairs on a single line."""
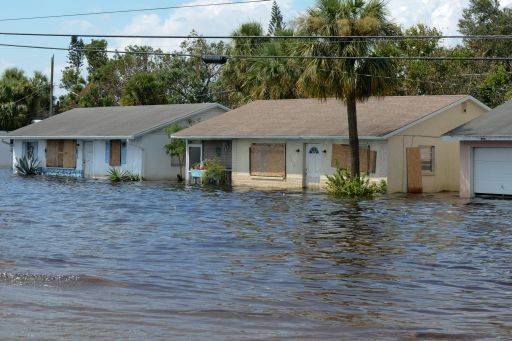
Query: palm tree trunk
{"points": [[352, 135]]}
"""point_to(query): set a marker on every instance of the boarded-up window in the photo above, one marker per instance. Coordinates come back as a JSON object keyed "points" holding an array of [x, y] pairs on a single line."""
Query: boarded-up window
{"points": [[268, 159], [61, 153], [341, 158], [427, 159], [115, 153]]}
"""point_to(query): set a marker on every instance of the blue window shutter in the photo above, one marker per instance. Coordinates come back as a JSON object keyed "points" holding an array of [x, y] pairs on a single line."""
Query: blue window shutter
{"points": [[24, 149], [107, 152], [123, 153]]}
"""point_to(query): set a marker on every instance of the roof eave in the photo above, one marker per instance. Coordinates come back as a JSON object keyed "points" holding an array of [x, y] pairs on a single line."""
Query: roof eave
{"points": [[475, 138], [272, 137], [124, 137]]}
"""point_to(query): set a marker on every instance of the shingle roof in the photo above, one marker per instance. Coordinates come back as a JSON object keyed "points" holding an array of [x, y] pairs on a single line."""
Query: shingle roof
{"points": [[314, 118], [495, 123], [104, 122]]}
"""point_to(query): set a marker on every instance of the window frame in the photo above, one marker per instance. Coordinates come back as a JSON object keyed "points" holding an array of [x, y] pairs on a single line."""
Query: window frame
{"points": [[432, 159], [262, 174]]}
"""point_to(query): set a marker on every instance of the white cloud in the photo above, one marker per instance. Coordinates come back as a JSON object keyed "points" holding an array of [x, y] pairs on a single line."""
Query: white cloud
{"points": [[215, 20], [442, 14]]}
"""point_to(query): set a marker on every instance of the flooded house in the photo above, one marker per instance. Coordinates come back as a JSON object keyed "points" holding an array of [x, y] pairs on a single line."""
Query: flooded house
{"points": [[293, 144], [87, 142]]}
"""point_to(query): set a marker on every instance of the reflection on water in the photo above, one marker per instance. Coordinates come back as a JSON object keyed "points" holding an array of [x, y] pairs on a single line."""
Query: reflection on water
{"points": [[85, 258]]}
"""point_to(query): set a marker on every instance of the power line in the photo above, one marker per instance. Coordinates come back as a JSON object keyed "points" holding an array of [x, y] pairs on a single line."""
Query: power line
{"points": [[132, 10], [178, 54], [282, 37]]}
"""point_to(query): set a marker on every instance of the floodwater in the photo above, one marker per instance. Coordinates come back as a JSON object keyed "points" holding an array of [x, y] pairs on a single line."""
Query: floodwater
{"points": [[90, 259]]}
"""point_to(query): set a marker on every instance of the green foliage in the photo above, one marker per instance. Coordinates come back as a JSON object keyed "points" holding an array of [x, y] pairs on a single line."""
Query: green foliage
{"points": [[76, 53], [215, 172], [143, 89], [176, 147], [22, 99], [496, 88], [117, 175], [27, 166], [96, 55], [342, 185]]}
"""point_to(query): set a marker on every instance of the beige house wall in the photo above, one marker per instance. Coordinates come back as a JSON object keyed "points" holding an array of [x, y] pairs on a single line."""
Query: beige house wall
{"points": [[295, 163], [447, 153]]}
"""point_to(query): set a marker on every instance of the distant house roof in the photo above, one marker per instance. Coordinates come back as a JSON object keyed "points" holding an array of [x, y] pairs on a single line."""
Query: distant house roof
{"points": [[312, 118], [495, 124], [110, 122]]}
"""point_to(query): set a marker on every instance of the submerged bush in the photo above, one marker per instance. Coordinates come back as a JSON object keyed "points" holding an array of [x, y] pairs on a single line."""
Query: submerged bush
{"points": [[118, 175], [214, 171], [342, 185], [27, 166]]}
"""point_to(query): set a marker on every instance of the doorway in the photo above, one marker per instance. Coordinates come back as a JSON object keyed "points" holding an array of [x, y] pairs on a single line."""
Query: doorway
{"points": [[88, 158], [313, 164]]}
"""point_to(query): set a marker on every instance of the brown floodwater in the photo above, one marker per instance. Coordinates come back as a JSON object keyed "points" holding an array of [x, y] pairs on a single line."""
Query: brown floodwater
{"points": [[154, 260]]}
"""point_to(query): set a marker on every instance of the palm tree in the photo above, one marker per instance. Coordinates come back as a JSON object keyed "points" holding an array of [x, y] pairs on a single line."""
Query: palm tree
{"points": [[346, 79], [274, 78]]}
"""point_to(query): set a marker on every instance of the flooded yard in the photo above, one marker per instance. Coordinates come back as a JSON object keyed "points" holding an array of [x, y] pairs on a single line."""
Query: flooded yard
{"points": [[152, 260]]}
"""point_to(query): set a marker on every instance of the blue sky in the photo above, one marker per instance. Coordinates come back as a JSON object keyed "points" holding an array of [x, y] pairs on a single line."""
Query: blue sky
{"points": [[213, 20]]}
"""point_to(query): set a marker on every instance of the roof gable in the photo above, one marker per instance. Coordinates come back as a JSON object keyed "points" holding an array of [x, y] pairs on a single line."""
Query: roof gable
{"points": [[110, 122], [495, 123], [312, 118]]}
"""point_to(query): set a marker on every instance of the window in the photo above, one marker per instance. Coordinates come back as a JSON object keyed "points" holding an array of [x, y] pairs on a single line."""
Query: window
{"points": [[268, 159], [30, 149], [61, 153], [341, 158], [427, 159], [115, 153]]}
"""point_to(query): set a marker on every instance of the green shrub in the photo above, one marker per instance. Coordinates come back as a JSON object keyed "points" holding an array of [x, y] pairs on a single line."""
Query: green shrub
{"points": [[341, 185], [215, 172], [27, 166], [118, 175]]}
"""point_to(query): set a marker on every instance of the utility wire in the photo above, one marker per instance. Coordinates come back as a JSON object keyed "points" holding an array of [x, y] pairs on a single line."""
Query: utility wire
{"points": [[178, 54], [282, 37], [132, 10]]}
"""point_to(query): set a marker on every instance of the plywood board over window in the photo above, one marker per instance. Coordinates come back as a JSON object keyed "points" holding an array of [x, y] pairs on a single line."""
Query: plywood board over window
{"points": [[268, 159], [61, 153], [115, 153], [341, 158]]}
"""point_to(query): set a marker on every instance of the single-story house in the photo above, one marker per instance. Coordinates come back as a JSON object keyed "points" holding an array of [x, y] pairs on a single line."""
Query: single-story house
{"points": [[486, 153], [292, 144], [87, 142]]}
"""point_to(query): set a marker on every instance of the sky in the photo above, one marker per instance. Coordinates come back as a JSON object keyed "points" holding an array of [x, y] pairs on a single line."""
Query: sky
{"points": [[220, 20]]}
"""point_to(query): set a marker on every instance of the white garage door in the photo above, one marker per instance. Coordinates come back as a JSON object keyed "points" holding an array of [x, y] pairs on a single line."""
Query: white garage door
{"points": [[492, 171]]}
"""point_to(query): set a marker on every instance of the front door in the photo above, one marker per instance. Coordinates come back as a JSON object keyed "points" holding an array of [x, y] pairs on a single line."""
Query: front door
{"points": [[313, 164], [88, 158]]}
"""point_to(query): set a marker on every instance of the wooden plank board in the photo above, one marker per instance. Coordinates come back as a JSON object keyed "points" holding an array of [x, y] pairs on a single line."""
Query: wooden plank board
{"points": [[341, 158], [69, 154], [115, 153], [414, 182], [268, 159], [52, 153]]}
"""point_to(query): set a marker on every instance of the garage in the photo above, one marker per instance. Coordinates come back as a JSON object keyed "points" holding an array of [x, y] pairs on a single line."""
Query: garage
{"points": [[492, 171]]}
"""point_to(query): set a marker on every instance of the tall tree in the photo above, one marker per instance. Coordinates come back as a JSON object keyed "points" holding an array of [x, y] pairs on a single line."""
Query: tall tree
{"points": [[487, 17], [76, 53], [96, 55], [276, 24], [346, 79], [22, 99]]}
